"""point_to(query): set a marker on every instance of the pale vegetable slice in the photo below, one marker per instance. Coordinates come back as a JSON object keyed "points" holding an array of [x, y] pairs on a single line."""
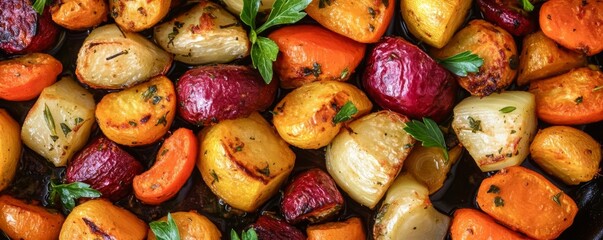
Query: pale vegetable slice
{"points": [[60, 122], [236, 6], [429, 166], [496, 129], [10, 143], [138, 15], [407, 213], [367, 155]]}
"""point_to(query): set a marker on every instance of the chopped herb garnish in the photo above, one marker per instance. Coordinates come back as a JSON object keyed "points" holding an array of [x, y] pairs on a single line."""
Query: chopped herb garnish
{"points": [[162, 120], [265, 171], [527, 5], [164, 151], [68, 193], [499, 202], [578, 100], [78, 120], [507, 109], [324, 3], [462, 63], [344, 73], [214, 175], [345, 113], [156, 99], [116, 55], [65, 128], [493, 189], [39, 5], [315, 70], [428, 133], [557, 198], [50, 123], [597, 88], [513, 131], [132, 123], [371, 12], [475, 125], [239, 148], [165, 230], [250, 234], [150, 92]]}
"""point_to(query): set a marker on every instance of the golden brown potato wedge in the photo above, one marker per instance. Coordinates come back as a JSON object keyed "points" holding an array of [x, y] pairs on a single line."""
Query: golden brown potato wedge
{"points": [[542, 57], [138, 115], [10, 143], [138, 15], [20, 220], [79, 14], [192, 225]]}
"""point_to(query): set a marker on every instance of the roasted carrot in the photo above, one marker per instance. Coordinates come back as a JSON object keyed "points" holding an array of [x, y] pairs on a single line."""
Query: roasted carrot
{"points": [[20, 220], [470, 224], [174, 164], [25, 77], [312, 53], [350, 229]]}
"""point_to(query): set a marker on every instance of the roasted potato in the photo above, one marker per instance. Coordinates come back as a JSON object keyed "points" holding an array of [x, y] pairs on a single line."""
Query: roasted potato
{"points": [[573, 98], [509, 15], [429, 166], [138, 15], [209, 94], [362, 20], [192, 225], [524, 200], [79, 14], [541, 58], [400, 77], [495, 46], [10, 143], [204, 34], [24, 78], [305, 117], [139, 115], [113, 59], [100, 219], [367, 155], [236, 6], [243, 161], [60, 122], [311, 53], [567, 153], [20, 220], [434, 22]]}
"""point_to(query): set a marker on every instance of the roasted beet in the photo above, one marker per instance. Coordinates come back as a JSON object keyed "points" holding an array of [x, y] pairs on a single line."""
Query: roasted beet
{"points": [[509, 15], [401, 77], [18, 25], [106, 167], [47, 34], [269, 227], [209, 94], [312, 196]]}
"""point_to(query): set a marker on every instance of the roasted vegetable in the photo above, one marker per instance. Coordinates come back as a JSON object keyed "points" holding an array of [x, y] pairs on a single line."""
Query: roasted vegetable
{"points": [[20, 220], [138, 15], [243, 161], [497, 129], [509, 15], [311, 53], [59, 123], [24, 78], [471, 224], [364, 21], [79, 14], [350, 229], [100, 219], [407, 211], [305, 118], [367, 155], [236, 6], [541, 58], [311, 196], [497, 49], [399, 76], [209, 94], [192, 225], [204, 34], [23, 30], [112, 59], [10, 143], [567, 153], [575, 24], [175, 162], [270, 227], [429, 166], [106, 167], [434, 22], [139, 115], [525, 201], [570, 99]]}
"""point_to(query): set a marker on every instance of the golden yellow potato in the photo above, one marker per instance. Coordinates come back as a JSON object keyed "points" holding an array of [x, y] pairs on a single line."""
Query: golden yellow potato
{"points": [[138, 15], [304, 118], [138, 115], [100, 219], [244, 161], [192, 226], [567, 153], [541, 57], [20, 220], [10, 143], [428, 165], [79, 14], [434, 21]]}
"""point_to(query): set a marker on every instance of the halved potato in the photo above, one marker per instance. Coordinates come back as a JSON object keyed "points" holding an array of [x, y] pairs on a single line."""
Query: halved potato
{"points": [[192, 225], [236, 6], [59, 123], [204, 34], [10, 143], [138, 15], [113, 59], [244, 161], [138, 115], [79, 14]]}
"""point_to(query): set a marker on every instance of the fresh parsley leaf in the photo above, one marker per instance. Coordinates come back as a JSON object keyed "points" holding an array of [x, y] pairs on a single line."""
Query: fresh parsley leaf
{"points": [[249, 12], [263, 53], [39, 5], [428, 133], [165, 230], [556, 198], [507, 109], [285, 12], [345, 113], [250, 234], [70, 192], [462, 63], [527, 5]]}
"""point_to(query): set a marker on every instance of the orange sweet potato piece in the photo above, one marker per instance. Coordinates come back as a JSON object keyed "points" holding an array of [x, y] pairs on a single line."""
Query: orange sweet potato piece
{"points": [[469, 224], [20, 220], [350, 229], [25, 77]]}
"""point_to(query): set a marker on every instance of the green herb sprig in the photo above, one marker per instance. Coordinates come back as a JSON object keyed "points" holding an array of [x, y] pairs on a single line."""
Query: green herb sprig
{"points": [[263, 50], [507, 109], [165, 230], [428, 133], [39, 5], [462, 63], [70, 192], [250, 234], [345, 113], [527, 5]]}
